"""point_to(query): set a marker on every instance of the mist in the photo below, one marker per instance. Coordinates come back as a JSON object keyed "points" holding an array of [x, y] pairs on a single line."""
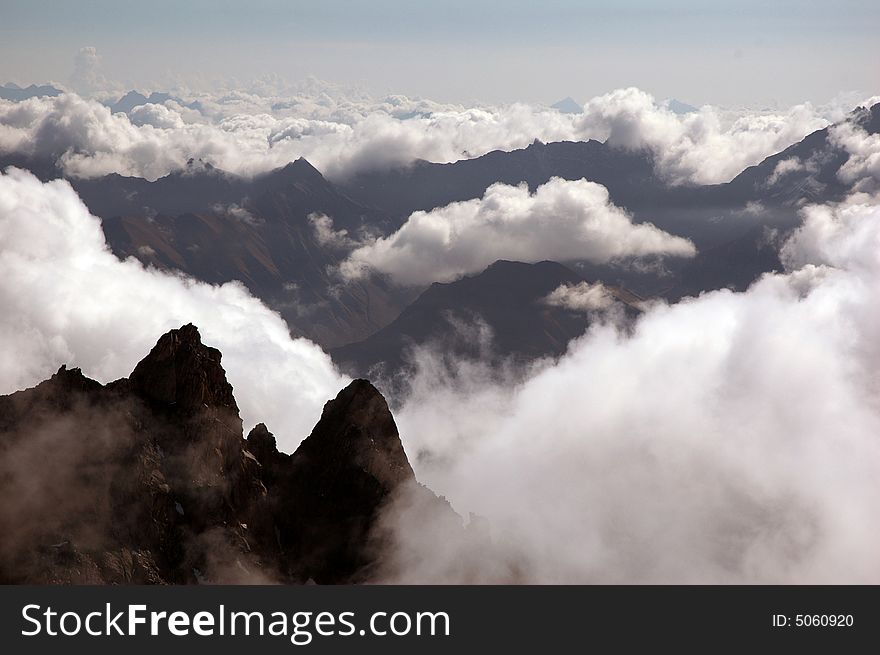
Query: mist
{"points": [[731, 438]]}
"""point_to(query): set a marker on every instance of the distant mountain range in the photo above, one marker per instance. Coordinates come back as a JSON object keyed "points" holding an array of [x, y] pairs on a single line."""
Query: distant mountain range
{"points": [[219, 227], [679, 107], [134, 99], [11, 91], [508, 299]]}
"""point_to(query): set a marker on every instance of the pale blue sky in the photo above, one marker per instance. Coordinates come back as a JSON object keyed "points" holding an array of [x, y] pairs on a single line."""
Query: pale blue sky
{"points": [[744, 52]]}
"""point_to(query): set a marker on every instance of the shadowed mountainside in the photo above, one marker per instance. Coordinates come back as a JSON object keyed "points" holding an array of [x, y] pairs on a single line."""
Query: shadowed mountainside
{"points": [[497, 315], [148, 480]]}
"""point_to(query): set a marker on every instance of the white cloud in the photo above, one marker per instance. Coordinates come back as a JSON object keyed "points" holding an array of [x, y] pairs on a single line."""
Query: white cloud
{"points": [[158, 116], [731, 438], [343, 131], [563, 220], [862, 168], [329, 237], [581, 297], [236, 212], [66, 299], [705, 147]]}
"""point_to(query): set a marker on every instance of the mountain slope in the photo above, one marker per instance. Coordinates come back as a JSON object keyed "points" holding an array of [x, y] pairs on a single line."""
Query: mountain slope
{"points": [[806, 171], [218, 228], [629, 175], [425, 185], [508, 299]]}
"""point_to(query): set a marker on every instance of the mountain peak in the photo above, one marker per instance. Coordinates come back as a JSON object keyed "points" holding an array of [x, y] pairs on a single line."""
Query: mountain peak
{"points": [[870, 121], [303, 166], [195, 166], [296, 172], [357, 430], [168, 491], [679, 107], [181, 371], [568, 106], [261, 443]]}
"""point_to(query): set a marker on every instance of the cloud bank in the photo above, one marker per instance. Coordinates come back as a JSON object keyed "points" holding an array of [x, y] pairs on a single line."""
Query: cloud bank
{"points": [[343, 132], [562, 221], [731, 438], [67, 299]]}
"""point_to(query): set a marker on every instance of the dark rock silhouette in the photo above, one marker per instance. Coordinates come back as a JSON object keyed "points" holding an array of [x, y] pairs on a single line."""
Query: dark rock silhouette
{"points": [[326, 496], [180, 371], [148, 480]]}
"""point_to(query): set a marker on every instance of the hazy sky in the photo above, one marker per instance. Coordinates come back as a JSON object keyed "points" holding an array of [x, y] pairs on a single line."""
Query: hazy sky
{"points": [[743, 52]]}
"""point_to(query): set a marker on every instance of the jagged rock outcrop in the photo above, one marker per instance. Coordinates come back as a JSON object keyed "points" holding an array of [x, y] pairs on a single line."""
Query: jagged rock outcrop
{"points": [[148, 480], [327, 494]]}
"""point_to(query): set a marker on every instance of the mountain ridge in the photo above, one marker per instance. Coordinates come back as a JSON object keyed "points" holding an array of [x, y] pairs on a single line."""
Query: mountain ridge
{"points": [[149, 479], [497, 315]]}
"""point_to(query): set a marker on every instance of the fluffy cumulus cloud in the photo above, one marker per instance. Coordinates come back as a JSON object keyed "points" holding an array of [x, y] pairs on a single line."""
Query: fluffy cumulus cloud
{"points": [[730, 438], [563, 220], [706, 146], [67, 299], [343, 131], [581, 297], [154, 140]]}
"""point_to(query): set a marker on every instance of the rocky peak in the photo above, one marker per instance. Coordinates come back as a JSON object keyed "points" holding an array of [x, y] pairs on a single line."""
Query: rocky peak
{"points": [[357, 430], [72, 379], [327, 496], [148, 479], [261, 443], [181, 372], [303, 168]]}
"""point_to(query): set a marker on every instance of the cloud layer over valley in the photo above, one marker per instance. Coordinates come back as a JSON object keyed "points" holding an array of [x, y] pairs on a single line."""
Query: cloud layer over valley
{"points": [[730, 438], [67, 299], [561, 221], [344, 132]]}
